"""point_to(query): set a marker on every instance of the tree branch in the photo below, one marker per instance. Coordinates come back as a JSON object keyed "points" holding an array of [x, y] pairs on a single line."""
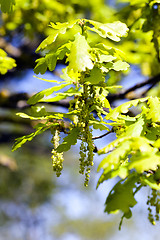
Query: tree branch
{"points": [[18, 100], [111, 98], [101, 136]]}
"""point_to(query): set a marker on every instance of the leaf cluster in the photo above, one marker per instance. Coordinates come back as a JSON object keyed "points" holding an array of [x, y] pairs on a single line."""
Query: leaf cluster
{"points": [[134, 155], [6, 63]]}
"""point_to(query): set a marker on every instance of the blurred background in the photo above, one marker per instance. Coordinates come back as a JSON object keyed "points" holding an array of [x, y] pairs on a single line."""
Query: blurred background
{"points": [[34, 204]]}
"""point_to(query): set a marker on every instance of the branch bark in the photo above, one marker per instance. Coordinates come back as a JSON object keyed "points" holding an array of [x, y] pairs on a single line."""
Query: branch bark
{"points": [[18, 100], [152, 82]]}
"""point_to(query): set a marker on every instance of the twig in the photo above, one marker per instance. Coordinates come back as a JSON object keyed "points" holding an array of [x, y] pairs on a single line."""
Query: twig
{"points": [[18, 100], [111, 98], [101, 136]]}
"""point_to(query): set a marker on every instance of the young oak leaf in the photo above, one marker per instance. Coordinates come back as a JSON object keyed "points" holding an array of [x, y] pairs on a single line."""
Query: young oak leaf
{"points": [[40, 95], [111, 146], [154, 111], [150, 181], [51, 58], [21, 140], [6, 63], [121, 197], [41, 66], [124, 108], [112, 160], [122, 172], [79, 58], [144, 161], [69, 140], [112, 31], [120, 66], [98, 125], [62, 95], [59, 28], [96, 76], [39, 112], [135, 129]]}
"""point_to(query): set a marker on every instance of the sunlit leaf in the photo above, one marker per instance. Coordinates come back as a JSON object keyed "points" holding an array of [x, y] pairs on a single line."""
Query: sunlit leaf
{"points": [[41, 66], [6, 63], [112, 31], [69, 140], [37, 97], [96, 76], [144, 162], [122, 172], [106, 58], [135, 129], [124, 108], [112, 160], [51, 60], [121, 196], [21, 140], [79, 58], [154, 111], [150, 181], [98, 125], [120, 66], [59, 28]]}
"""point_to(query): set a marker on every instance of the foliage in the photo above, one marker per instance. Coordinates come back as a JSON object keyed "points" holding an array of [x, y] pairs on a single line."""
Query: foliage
{"points": [[7, 6], [6, 63], [94, 61], [142, 44], [84, 76]]}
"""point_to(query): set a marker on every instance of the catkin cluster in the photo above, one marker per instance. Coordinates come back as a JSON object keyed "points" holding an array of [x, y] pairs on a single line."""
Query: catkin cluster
{"points": [[84, 105], [57, 158], [153, 203]]}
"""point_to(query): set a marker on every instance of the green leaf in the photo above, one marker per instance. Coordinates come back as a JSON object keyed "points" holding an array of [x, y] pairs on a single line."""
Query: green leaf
{"points": [[59, 28], [98, 125], [120, 66], [150, 181], [96, 76], [135, 129], [41, 66], [106, 58], [112, 145], [69, 140], [152, 133], [21, 140], [122, 172], [48, 41], [7, 5], [39, 113], [112, 31], [124, 108], [144, 161], [40, 95], [6, 63], [57, 98], [79, 58], [51, 60], [69, 93], [112, 160], [121, 197], [154, 111], [134, 2], [46, 80]]}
